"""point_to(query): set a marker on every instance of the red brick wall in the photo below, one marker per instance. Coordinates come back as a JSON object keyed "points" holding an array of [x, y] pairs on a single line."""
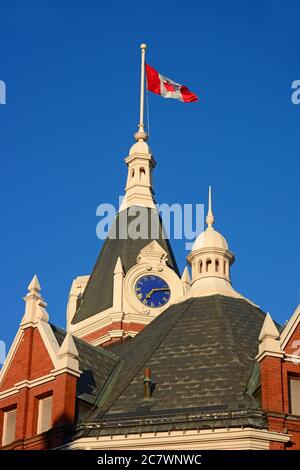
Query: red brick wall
{"points": [[271, 384], [32, 361], [113, 326], [275, 373], [294, 348]]}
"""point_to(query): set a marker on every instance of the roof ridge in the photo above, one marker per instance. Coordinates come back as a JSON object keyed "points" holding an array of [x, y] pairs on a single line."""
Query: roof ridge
{"points": [[224, 305]]}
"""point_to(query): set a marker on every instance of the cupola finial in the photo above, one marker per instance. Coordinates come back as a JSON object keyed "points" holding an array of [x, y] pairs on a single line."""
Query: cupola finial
{"points": [[210, 217]]}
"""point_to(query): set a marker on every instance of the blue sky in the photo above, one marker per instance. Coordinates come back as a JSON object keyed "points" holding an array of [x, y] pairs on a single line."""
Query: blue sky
{"points": [[72, 75]]}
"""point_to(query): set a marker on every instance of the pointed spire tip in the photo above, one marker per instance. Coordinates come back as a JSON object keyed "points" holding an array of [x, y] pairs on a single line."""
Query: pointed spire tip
{"points": [[68, 346], [118, 267], [34, 284], [185, 277], [210, 217]]}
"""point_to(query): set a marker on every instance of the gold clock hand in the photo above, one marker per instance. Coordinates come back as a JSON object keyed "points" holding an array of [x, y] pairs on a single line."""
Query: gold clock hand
{"points": [[160, 288], [149, 294], [156, 289]]}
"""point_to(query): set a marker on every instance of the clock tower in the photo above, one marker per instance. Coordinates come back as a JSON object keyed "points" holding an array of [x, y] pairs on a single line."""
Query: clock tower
{"points": [[135, 277]]}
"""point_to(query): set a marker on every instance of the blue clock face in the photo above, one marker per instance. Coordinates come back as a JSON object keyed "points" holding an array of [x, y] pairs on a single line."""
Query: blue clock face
{"points": [[152, 291]]}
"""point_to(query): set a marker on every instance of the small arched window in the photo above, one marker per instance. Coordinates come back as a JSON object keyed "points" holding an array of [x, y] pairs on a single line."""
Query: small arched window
{"points": [[200, 267], [217, 265], [224, 267], [208, 265], [132, 173], [142, 175]]}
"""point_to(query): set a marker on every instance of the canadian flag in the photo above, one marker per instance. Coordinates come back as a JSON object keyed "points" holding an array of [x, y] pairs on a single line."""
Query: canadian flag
{"points": [[165, 87]]}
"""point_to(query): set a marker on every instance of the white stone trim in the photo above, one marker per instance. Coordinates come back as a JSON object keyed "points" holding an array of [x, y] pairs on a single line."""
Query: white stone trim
{"points": [[208, 286], [219, 439], [262, 355], [142, 319], [11, 354], [92, 324], [107, 337], [9, 392], [35, 382], [116, 333], [101, 340], [26, 384], [132, 334], [77, 288], [292, 358], [289, 328], [50, 341], [66, 370]]}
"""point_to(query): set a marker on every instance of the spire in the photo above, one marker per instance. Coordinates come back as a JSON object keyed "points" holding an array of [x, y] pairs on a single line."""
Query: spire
{"points": [[140, 162], [210, 217], [118, 286]]}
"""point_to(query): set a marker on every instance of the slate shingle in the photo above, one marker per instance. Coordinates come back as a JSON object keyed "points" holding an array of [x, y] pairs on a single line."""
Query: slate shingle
{"points": [[201, 354]]}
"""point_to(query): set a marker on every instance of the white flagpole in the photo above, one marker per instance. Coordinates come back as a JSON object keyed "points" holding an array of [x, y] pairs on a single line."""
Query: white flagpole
{"points": [[141, 134]]}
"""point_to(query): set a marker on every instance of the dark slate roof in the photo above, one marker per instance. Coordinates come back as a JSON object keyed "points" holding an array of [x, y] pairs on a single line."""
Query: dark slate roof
{"points": [[96, 365], [98, 293], [201, 353]]}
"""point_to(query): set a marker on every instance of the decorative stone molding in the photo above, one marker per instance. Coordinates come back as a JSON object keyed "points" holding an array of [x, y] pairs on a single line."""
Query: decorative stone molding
{"points": [[218, 439]]}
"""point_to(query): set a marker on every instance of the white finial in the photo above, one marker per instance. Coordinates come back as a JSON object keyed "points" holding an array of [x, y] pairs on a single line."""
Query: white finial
{"points": [[210, 217], [68, 347], [186, 276], [269, 340], [269, 329], [118, 267], [186, 280], [34, 286], [68, 356], [35, 304]]}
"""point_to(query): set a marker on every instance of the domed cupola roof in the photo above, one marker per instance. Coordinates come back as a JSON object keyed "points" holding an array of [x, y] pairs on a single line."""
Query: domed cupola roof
{"points": [[210, 238]]}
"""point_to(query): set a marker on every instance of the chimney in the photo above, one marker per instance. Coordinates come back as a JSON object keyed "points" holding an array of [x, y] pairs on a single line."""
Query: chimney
{"points": [[147, 383]]}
